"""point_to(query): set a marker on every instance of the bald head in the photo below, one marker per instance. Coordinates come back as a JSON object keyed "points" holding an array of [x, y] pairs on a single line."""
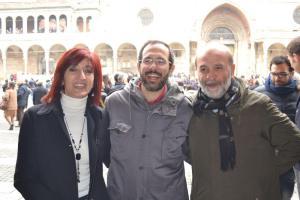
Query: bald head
{"points": [[214, 47], [215, 69]]}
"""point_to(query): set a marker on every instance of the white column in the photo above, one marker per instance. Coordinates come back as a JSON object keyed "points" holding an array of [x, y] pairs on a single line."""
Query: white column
{"points": [[47, 58], [14, 25], [24, 24], [265, 66], [115, 61], [4, 25], [25, 57], [4, 64]]}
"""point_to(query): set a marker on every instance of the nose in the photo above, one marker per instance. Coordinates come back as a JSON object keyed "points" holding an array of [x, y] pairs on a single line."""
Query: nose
{"points": [[210, 75], [82, 74]]}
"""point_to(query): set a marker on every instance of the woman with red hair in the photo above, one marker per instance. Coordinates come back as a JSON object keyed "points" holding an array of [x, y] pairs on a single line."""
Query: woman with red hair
{"points": [[64, 141]]}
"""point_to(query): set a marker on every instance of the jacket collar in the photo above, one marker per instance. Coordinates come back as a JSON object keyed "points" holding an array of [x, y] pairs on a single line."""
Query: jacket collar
{"points": [[167, 106]]}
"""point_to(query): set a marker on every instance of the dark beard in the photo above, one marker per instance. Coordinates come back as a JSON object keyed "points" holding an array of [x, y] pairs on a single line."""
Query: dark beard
{"points": [[152, 87]]}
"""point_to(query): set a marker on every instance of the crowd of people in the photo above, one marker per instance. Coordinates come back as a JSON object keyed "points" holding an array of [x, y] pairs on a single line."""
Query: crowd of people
{"points": [[241, 137]]}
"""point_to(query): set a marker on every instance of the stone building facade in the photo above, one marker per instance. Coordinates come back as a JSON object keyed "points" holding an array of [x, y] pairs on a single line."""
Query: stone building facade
{"points": [[34, 33]]}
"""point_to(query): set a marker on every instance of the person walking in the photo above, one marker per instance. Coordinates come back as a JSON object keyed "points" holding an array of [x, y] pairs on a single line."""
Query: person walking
{"points": [[148, 124], [11, 104], [64, 141], [240, 142], [23, 93]]}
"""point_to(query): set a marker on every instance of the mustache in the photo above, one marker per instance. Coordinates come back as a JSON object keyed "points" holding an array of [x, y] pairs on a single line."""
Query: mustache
{"points": [[153, 72]]}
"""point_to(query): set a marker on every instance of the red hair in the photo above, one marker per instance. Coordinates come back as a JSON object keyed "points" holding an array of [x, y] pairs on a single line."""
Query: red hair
{"points": [[71, 58]]}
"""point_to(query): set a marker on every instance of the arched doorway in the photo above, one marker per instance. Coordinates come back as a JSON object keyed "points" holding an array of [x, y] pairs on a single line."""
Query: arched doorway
{"points": [[227, 24], [105, 52], [127, 58], [36, 60]]}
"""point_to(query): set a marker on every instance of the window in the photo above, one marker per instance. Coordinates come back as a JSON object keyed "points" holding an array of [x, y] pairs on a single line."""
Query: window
{"points": [[146, 17], [221, 33], [41, 24], [297, 15], [80, 24], [19, 25], [62, 23], [9, 25], [52, 24], [30, 24]]}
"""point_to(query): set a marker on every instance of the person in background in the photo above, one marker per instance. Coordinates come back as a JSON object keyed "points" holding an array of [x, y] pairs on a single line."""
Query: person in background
{"points": [[10, 97], [64, 141], [294, 57], [240, 142], [38, 92], [148, 124], [281, 87], [119, 82], [23, 93], [5, 85]]}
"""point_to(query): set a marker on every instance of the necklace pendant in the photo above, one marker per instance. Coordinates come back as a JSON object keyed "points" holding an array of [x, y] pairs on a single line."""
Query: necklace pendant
{"points": [[78, 156]]}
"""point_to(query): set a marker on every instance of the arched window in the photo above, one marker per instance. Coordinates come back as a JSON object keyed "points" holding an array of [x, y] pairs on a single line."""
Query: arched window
{"points": [[80, 24], [19, 25], [30, 24], [88, 23], [52, 24], [9, 25], [62, 23], [221, 33], [41, 24]]}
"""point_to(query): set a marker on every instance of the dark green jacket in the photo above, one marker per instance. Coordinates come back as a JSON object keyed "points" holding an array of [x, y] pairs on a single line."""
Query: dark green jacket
{"points": [[267, 144]]}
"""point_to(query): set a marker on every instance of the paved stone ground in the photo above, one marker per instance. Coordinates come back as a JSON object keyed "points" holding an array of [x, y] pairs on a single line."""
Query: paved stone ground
{"points": [[8, 152]]}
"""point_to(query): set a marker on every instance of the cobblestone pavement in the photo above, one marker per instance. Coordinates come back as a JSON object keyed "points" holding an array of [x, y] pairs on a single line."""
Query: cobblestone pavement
{"points": [[8, 152]]}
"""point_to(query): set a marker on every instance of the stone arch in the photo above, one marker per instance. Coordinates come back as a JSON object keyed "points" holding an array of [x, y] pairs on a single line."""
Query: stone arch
{"points": [[276, 49], [55, 52], [80, 45], [14, 60], [105, 52], [228, 19], [180, 55], [36, 60], [127, 58]]}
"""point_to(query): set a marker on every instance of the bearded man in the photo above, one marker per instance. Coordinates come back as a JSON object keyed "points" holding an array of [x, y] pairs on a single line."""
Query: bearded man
{"points": [[148, 131], [239, 140]]}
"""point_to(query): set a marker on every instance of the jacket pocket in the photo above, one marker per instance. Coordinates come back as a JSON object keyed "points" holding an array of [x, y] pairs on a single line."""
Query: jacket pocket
{"points": [[172, 145], [119, 138]]}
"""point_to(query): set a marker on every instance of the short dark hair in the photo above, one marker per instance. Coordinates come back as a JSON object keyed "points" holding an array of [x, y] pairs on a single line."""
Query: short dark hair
{"points": [[294, 46], [277, 60], [171, 53]]}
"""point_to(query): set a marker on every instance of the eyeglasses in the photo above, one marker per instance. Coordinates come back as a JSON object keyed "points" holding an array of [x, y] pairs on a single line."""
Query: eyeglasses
{"points": [[280, 74], [158, 61]]}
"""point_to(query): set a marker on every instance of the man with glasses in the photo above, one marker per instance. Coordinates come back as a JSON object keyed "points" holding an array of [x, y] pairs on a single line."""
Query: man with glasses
{"points": [[148, 131], [294, 57], [281, 87]]}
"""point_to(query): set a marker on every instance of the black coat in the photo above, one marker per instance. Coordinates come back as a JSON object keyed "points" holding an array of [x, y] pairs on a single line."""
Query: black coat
{"points": [[37, 94], [46, 168]]}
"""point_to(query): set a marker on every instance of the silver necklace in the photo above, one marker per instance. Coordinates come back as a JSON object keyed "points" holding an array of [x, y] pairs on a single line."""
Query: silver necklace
{"points": [[77, 148]]}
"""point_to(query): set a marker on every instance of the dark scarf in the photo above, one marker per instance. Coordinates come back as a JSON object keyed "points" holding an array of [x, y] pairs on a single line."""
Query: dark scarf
{"points": [[226, 137], [290, 87]]}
